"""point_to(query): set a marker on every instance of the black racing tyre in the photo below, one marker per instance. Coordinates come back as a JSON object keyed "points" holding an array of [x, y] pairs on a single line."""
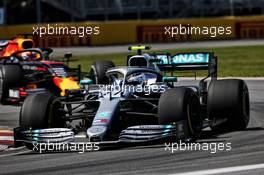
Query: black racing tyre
{"points": [[10, 76], [228, 100], [98, 70], [179, 104], [40, 111]]}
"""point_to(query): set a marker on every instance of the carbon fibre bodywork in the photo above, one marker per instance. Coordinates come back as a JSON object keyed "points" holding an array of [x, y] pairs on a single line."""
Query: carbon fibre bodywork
{"points": [[36, 75], [126, 110]]}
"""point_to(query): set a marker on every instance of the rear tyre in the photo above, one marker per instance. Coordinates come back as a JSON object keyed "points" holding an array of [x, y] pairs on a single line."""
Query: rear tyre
{"points": [[98, 70], [40, 111], [10, 76], [228, 100], [181, 104]]}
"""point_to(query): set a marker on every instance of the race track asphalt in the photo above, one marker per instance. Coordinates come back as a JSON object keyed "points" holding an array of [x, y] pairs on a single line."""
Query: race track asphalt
{"points": [[247, 149], [93, 50]]}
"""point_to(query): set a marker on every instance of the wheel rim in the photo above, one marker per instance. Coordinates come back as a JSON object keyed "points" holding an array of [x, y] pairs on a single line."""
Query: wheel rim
{"points": [[194, 118]]}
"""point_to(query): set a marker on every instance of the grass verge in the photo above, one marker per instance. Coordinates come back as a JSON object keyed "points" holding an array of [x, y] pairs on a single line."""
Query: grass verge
{"points": [[242, 61]]}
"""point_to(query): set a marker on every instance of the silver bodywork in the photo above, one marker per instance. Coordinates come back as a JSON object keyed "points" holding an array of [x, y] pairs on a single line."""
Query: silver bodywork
{"points": [[111, 95]]}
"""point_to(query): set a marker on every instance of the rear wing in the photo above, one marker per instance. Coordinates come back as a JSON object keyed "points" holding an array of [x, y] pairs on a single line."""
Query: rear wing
{"points": [[187, 61]]}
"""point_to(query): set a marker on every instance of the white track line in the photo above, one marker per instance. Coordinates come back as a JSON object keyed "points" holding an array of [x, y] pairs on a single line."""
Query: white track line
{"points": [[6, 130], [7, 138], [14, 154], [224, 170]]}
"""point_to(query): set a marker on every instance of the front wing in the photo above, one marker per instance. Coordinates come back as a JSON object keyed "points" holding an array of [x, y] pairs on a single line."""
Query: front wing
{"points": [[134, 134]]}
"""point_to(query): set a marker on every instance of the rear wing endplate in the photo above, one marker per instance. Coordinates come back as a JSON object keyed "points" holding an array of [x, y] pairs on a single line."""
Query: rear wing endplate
{"points": [[187, 61]]}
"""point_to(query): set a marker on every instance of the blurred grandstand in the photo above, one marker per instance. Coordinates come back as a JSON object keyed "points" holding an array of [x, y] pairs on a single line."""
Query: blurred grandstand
{"points": [[41, 11]]}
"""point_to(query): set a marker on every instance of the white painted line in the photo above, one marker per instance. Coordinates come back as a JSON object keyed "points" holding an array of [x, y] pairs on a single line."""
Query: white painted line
{"points": [[14, 151], [7, 138], [4, 127], [80, 136], [18, 153], [8, 131], [224, 170]]}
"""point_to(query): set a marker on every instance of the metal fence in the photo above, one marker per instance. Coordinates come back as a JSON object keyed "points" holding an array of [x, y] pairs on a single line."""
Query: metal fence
{"points": [[135, 9], [112, 9]]}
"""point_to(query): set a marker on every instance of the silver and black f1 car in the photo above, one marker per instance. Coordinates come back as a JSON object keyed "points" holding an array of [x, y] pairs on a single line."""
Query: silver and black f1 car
{"points": [[139, 104]]}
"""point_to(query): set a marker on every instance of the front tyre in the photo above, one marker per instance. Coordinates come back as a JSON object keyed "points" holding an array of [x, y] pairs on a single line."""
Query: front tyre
{"points": [[40, 111], [181, 104]]}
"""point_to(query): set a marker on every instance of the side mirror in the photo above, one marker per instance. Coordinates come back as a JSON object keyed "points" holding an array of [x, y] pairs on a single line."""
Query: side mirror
{"points": [[169, 79], [68, 55]]}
